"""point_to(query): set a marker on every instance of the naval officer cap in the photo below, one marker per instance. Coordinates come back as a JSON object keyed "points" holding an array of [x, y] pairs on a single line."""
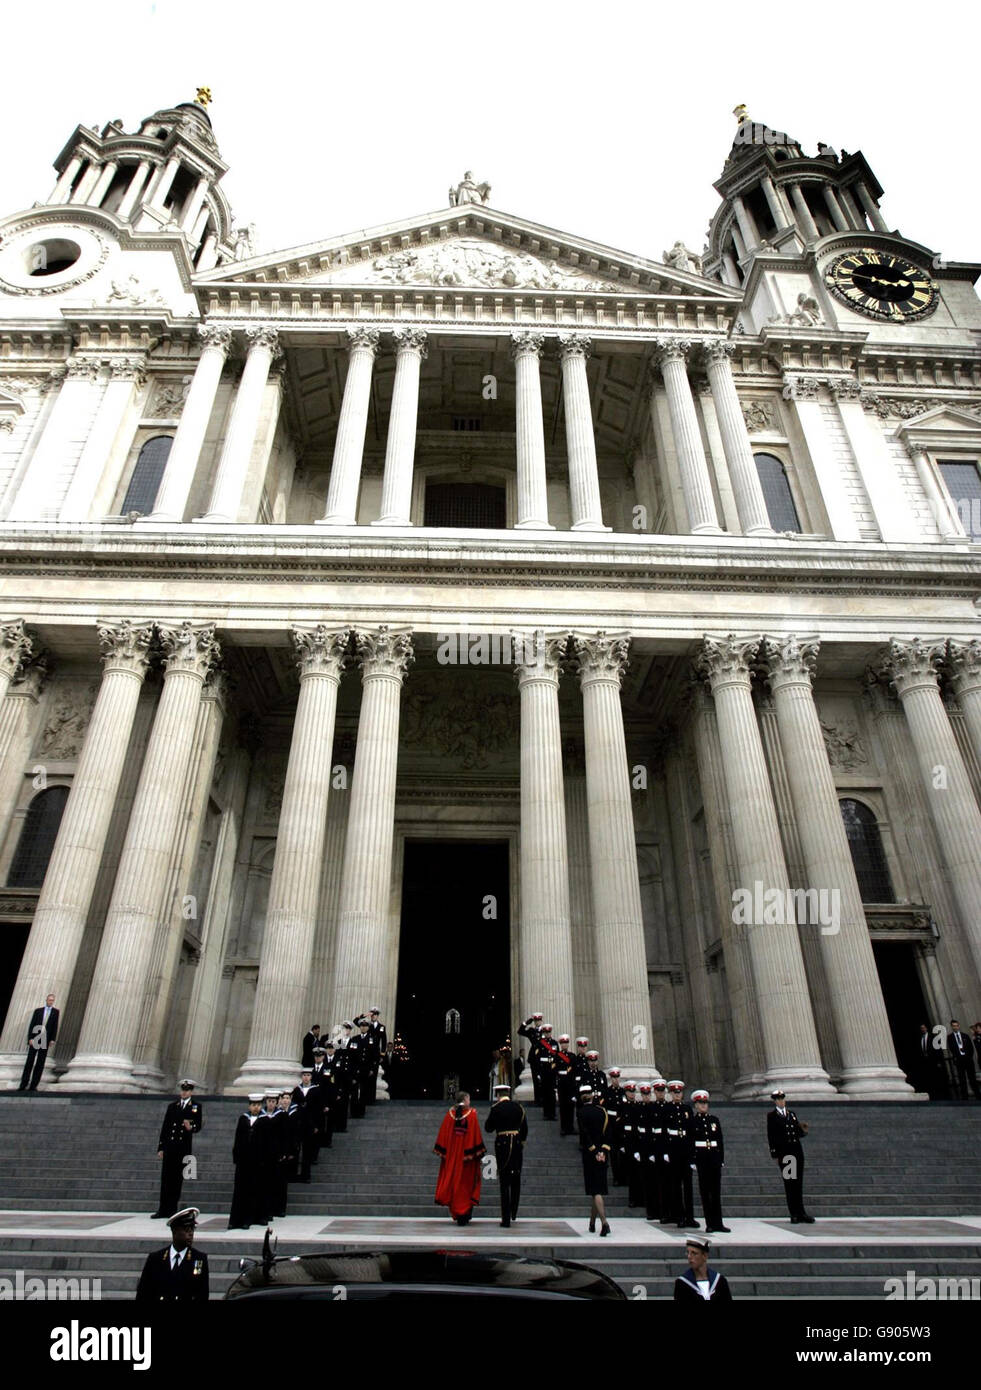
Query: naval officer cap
{"points": [[187, 1084], [659, 1085], [320, 1051], [585, 1090], [614, 1071], [592, 1055], [699, 1095], [375, 1010], [563, 1037], [778, 1095], [506, 1089], [187, 1216], [645, 1090], [676, 1085], [582, 1042]]}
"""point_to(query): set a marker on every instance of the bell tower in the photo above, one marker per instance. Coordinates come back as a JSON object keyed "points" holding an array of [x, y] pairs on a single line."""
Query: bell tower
{"points": [[164, 177]]}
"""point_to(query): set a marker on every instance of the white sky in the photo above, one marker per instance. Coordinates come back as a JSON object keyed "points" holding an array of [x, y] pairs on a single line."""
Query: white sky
{"points": [[610, 121]]}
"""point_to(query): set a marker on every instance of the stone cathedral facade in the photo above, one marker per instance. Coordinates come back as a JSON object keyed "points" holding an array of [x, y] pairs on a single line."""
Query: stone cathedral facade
{"points": [[468, 619]]}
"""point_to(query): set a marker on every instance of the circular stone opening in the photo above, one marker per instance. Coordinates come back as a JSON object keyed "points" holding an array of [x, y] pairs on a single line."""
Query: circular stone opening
{"points": [[51, 257]]}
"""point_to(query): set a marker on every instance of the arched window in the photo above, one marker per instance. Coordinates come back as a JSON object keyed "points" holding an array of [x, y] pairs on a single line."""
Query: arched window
{"points": [[147, 476], [776, 493], [37, 839], [868, 856]]}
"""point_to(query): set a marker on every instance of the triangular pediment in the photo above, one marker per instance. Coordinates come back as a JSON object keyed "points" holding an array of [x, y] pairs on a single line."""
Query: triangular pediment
{"points": [[943, 417], [474, 248]]}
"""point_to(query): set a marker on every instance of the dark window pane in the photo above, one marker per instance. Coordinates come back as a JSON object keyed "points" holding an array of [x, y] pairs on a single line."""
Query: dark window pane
{"points": [[776, 493], [963, 482], [147, 475], [868, 856], [470, 505], [37, 838]]}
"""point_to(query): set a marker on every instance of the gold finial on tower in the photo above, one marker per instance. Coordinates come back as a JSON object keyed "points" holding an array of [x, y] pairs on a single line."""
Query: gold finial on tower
{"points": [[741, 113], [203, 97]]}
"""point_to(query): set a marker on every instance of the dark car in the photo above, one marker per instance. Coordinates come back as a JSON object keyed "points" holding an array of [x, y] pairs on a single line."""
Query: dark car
{"points": [[420, 1274]]}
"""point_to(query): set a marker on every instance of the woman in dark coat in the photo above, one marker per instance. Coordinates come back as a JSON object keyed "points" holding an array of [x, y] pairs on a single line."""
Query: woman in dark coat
{"points": [[595, 1156]]}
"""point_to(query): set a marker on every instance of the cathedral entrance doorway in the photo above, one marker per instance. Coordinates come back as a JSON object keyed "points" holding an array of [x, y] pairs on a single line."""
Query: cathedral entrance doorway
{"points": [[13, 940], [906, 1007], [453, 1002]]}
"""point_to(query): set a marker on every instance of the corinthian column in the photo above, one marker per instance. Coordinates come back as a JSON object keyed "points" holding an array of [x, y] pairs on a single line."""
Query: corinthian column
{"points": [[291, 914], [546, 929], [587, 513], [750, 503], [126, 376], [869, 1070], [400, 448], [965, 670], [48, 964], [75, 402], [111, 1026], [621, 956], [912, 668], [233, 467], [15, 652], [672, 358], [790, 1046], [16, 713], [345, 472], [364, 972], [185, 453], [526, 348]]}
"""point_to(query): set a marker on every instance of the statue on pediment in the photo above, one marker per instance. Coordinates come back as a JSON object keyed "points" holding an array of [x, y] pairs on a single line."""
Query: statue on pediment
{"points": [[243, 242], [469, 191], [680, 258]]}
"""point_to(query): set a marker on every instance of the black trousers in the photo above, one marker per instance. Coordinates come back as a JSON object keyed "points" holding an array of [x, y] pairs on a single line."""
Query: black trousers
{"points": [[33, 1068], [710, 1188], [652, 1185], [792, 1171], [357, 1093], [681, 1205], [567, 1107], [547, 1093], [171, 1181], [509, 1154], [964, 1072]]}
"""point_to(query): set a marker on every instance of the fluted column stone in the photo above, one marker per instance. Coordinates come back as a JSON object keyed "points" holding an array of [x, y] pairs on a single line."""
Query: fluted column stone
{"points": [[110, 1030], [16, 710], [236, 455], [345, 472], [912, 669], [625, 1009], [584, 494], [400, 447], [362, 973], [526, 349], [791, 1053], [672, 358], [868, 1057], [743, 474], [546, 929], [291, 911], [964, 659], [185, 452]]}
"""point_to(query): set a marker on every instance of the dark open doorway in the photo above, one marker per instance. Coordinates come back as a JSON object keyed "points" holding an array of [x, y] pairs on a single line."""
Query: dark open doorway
{"points": [[905, 1006], [453, 1003], [13, 940]]}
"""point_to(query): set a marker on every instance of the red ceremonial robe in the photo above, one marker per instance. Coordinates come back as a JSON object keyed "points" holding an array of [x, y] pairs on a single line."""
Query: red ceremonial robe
{"points": [[460, 1148]]}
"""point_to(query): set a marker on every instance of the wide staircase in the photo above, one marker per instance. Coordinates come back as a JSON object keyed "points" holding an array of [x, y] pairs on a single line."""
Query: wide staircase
{"points": [[67, 1160]]}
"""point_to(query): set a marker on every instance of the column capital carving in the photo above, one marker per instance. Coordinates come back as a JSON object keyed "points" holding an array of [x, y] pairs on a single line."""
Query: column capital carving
{"points": [[671, 350], [524, 343], [363, 338], [218, 686], [215, 335], [131, 368], [81, 369], [260, 337], [845, 388], [321, 650], [790, 660], [964, 660], [384, 651], [126, 646], [727, 660], [800, 388], [603, 656], [33, 677], [15, 648], [718, 350], [574, 345], [538, 655], [913, 665], [412, 340], [189, 649], [54, 380]]}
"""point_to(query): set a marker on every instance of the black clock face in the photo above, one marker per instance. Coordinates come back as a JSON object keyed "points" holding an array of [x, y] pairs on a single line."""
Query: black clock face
{"points": [[882, 285]]}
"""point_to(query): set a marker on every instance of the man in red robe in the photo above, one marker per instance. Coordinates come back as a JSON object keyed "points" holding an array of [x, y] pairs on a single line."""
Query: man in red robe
{"points": [[460, 1148]]}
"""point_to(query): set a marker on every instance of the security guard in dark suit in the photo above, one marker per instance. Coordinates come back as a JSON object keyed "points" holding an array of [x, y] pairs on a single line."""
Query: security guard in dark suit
{"points": [[710, 1157], [178, 1273], [508, 1123], [182, 1119], [784, 1133]]}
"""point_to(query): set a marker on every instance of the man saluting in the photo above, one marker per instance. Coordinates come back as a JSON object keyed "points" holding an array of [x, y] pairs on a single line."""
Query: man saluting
{"points": [[460, 1148]]}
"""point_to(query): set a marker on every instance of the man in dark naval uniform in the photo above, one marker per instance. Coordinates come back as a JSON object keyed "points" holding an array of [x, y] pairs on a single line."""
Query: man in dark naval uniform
{"points": [[566, 1085], [784, 1133], [699, 1284], [508, 1123], [245, 1155], [182, 1119], [532, 1030], [710, 1157], [178, 1273], [377, 1049], [357, 1059], [677, 1128]]}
